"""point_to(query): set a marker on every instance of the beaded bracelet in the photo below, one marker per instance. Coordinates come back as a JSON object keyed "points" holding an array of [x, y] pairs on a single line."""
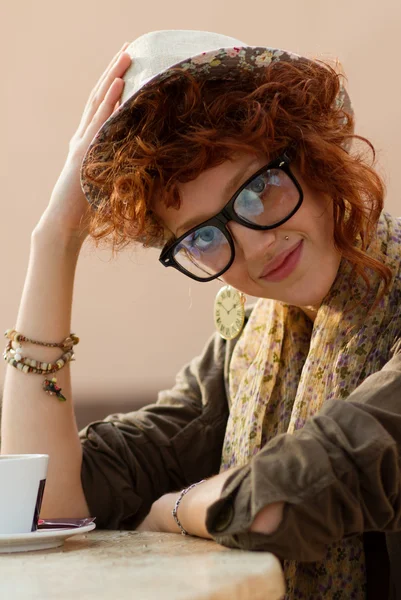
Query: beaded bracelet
{"points": [[66, 344], [29, 365], [13, 355], [180, 497]]}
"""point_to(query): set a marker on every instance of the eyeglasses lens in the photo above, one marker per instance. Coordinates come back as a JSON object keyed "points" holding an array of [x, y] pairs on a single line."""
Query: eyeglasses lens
{"points": [[267, 200], [204, 252]]}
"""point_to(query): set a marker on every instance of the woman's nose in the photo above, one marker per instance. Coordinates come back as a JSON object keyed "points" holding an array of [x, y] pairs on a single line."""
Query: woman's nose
{"points": [[255, 244]]}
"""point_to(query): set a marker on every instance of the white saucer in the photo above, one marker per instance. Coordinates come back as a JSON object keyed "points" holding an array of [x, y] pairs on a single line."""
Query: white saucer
{"points": [[42, 539]]}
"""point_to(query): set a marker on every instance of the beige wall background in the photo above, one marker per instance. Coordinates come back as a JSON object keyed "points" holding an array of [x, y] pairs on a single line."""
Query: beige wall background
{"points": [[139, 322]]}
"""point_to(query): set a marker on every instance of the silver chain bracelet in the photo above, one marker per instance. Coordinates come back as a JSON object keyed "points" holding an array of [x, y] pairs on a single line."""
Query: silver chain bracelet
{"points": [[180, 497]]}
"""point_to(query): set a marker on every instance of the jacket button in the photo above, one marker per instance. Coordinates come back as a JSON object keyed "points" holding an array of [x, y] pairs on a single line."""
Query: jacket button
{"points": [[224, 518]]}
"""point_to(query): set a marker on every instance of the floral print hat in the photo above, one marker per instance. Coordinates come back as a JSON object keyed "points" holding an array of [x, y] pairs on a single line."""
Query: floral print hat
{"points": [[201, 53]]}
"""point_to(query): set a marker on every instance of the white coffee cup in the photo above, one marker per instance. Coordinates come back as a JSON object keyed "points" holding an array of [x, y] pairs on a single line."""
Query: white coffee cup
{"points": [[22, 482]]}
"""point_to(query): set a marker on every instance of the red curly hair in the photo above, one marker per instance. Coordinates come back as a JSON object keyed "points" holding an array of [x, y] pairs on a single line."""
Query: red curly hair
{"points": [[178, 128]]}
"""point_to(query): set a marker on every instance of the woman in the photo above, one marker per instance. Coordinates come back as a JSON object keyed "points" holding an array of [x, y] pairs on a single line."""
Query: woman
{"points": [[239, 165]]}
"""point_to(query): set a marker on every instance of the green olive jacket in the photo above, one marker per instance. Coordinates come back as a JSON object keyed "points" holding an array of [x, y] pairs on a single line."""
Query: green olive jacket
{"points": [[338, 476]]}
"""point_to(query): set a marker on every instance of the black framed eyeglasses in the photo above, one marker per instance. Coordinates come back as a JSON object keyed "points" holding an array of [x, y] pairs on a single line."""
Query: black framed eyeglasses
{"points": [[266, 200]]}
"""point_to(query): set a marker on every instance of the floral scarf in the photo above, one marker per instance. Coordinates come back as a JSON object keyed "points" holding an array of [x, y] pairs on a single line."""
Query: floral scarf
{"points": [[284, 367]]}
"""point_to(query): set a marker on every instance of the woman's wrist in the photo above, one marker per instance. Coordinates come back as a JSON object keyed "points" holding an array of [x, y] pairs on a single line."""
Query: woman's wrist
{"points": [[161, 516], [193, 507], [162, 513]]}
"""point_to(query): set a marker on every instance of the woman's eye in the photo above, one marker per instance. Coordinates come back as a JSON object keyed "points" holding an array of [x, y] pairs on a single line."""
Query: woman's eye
{"points": [[205, 238], [257, 185]]}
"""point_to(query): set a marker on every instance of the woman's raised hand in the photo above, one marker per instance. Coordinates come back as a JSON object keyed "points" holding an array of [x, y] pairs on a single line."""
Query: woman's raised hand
{"points": [[68, 205]]}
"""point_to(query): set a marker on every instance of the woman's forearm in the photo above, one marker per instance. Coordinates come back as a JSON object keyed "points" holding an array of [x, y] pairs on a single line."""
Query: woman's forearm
{"points": [[33, 421], [195, 503], [193, 508]]}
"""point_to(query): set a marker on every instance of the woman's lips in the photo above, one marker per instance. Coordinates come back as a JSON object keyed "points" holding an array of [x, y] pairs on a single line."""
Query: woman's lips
{"points": [[286, 264]]}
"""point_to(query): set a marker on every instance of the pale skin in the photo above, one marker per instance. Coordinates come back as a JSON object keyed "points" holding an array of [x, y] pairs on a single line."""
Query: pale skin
{"points": [[32, 424]]}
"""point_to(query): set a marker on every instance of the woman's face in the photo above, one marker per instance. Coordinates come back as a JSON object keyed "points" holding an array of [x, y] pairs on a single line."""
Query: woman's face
{"points": [[301, 278]]}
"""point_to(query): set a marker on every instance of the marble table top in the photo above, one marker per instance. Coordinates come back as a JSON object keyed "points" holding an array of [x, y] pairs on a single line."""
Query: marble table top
{"points": [[122, 565]]}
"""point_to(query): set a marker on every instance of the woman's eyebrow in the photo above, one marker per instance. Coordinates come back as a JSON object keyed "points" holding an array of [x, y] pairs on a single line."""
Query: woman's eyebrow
{"points": [[231, 186], [240, 177]]}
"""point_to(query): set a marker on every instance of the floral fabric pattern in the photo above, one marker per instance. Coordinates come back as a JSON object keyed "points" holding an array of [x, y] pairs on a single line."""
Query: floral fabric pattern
{"points": [[284, 368]]}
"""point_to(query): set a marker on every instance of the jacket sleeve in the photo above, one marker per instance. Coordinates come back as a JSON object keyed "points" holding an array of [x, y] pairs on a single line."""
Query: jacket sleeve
{"points": [[338, 476], [129, 460]]}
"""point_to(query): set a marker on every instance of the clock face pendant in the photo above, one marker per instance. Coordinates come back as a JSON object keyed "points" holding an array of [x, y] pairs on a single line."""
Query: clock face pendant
{"points": [[229, 312]]}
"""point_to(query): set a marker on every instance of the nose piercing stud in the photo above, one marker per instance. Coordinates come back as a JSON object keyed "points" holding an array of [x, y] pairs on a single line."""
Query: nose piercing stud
{"points": [[286, 238]]}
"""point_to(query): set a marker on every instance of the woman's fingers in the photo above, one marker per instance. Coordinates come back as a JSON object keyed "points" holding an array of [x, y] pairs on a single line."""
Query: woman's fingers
{"points": [[109, 102], [106, 72], [104, 110], [117, 70], [68, 206]]}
